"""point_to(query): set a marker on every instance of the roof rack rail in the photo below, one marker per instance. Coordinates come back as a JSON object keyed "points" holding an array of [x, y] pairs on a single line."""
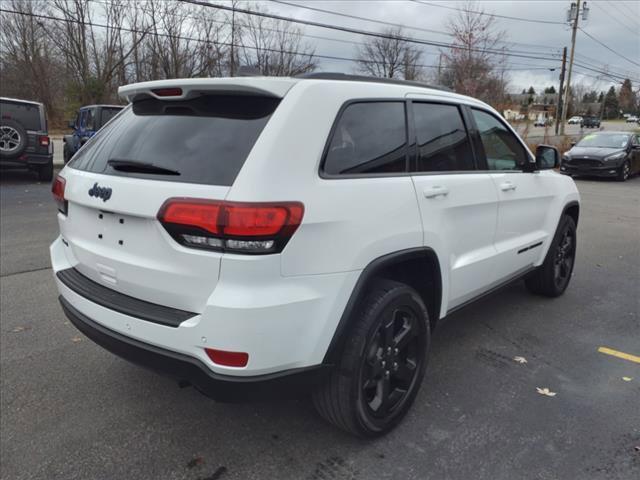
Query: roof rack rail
{"points": [[362, 78]]}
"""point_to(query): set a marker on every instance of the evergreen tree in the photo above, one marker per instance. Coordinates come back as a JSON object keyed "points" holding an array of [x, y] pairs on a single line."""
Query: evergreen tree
{"points": [[531, 91], [611, 104], [550, 89]]}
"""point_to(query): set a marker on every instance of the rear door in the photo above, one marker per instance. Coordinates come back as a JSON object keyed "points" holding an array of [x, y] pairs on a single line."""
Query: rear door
{"points": [[117, 183], [524, 198], [458, 204]]}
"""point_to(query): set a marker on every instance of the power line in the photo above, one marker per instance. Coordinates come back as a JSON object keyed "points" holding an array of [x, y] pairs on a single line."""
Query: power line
{"points": [[607, 47], [488, 14], [615, 19], [392, 24], [363, 32], [181, 37]]}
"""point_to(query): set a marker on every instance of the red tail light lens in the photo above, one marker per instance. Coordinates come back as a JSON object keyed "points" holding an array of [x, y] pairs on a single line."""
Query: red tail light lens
{"points": [[44, 140], [167, 92], [228, 359], [253, 228], [57, 189]]}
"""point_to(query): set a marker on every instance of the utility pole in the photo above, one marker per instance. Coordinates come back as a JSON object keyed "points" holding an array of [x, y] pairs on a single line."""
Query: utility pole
{"points": [[559, 108], [574, 15]]}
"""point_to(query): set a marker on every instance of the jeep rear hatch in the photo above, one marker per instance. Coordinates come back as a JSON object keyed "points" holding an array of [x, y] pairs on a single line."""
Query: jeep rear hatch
{"points": [[116, 185]]}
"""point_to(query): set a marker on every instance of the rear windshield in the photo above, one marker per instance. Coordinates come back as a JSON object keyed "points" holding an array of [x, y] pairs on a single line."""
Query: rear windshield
{"points": [[202, 140], [107, 114], [27, 115]]}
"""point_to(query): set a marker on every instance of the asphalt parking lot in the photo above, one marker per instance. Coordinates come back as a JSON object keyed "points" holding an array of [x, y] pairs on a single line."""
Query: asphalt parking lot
{"points": [[70, 410]]}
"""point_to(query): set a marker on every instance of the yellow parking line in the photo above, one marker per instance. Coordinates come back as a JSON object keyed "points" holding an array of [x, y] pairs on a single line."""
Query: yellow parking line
{"points": [[616, 353]]}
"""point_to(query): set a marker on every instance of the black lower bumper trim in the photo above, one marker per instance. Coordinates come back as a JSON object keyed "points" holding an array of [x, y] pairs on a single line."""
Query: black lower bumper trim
{"points": [[188, 369]]}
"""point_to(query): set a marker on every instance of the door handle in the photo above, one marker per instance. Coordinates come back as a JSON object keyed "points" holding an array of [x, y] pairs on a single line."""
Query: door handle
{"points": [[507, 186], [435, 191]]}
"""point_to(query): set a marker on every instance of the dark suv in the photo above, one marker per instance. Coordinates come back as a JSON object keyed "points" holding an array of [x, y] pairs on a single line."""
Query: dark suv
{"points": [[24, 140], [590, 122], [89, 120]]}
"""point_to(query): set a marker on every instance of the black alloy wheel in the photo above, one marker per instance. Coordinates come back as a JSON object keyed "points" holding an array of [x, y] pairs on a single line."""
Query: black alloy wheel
{"points": [[564, 258]]}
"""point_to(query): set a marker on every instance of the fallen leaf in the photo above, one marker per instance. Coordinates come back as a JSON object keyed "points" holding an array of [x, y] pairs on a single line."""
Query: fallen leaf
{"points": [[20, 329], [76, 339], [194, 462], [520, 359], [627, 379], [545, 391]]}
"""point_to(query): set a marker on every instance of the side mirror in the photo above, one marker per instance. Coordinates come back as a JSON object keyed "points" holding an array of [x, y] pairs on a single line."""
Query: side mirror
{"points": [[547, 157], [72, 124], [573, 144]]}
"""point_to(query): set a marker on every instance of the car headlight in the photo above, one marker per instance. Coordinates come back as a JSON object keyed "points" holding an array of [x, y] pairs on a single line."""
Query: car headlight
{"points": [[615, 156]]}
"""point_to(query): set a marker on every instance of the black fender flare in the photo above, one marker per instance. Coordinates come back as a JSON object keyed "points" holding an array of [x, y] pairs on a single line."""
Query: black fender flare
{"points": [[371, 271]]}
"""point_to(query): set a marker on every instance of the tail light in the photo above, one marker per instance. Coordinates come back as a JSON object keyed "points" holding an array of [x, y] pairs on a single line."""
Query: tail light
{"points": [[252, 228], [43, 140], [57, 189]]}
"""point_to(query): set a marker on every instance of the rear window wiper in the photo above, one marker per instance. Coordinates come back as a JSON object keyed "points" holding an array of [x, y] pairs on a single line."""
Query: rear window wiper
{"points": [[134, 166]]}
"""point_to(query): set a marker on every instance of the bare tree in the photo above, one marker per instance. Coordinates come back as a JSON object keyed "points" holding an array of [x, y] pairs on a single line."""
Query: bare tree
{"points": [[274, 47], [29, 68], [391, 56], [475, 64]]}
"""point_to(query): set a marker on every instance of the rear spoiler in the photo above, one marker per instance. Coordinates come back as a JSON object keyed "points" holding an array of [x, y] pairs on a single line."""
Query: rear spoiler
{"points": [[180, 89]]}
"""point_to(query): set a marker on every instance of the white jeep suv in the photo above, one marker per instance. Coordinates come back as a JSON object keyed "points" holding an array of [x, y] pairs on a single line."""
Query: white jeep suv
{"points": [[266, 236]]}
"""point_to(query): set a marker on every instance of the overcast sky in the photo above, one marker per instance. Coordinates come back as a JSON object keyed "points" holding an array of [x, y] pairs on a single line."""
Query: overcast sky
{"points": [[615, 23]]}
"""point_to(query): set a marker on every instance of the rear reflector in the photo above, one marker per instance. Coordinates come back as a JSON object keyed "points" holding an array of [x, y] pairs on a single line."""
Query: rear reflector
{"points": [[57, 189], [167, 92], [228, 359], [255, 228]]}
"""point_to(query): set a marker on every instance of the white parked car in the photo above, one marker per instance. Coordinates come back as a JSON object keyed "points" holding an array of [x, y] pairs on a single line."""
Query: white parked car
{"points": [[632, 119], [575, 120], [261, 236]]}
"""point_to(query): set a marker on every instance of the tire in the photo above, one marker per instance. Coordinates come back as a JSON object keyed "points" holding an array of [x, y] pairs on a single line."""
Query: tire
{"points": [[13, 138], [624, 172], [552, 278], [66, 154], [357, 397], [45, 172]]}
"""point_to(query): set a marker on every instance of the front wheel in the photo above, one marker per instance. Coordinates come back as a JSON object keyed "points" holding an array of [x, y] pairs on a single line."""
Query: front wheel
{"points": [[624, 171], [66, 154], [552, 278], [382, 363]]}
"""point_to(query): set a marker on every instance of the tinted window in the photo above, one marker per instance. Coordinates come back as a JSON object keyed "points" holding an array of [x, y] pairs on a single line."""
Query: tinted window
{"points": [[89, 122], [443, 144], [369, 138], [503, 150], [107, 114], [26, 114], [206, 139]]}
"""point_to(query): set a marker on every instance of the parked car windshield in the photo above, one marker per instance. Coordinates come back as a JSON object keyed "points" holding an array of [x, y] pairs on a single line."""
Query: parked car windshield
{"points": [[604, 140], [201, 140]]}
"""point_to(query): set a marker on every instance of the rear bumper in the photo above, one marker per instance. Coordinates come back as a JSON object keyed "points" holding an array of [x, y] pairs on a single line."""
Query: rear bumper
{"points": [[190, 370], [27, 160]]}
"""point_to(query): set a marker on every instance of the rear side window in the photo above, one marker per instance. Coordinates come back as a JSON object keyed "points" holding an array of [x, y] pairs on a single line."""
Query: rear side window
{"points": [[502, 148], [26, 114], [202, 140], [107, 114], [369, 137], [443, 143]]}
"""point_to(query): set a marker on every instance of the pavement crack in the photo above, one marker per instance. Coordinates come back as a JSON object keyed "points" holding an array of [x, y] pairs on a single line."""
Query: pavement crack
{"points": [[25, 271]]}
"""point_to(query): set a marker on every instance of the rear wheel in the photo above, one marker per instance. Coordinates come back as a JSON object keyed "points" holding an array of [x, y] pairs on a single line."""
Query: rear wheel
{"points": [[624, 171], [552, 278], [382, 363]]}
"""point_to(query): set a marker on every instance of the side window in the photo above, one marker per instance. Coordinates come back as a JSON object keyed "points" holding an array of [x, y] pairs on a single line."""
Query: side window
{"points": [[89, 123], [443, 143], [83, 120], [370, 137], [503, 150]]}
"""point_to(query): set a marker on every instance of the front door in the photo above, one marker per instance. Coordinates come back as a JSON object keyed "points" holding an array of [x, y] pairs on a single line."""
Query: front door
{"points": [[524, 198]]}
